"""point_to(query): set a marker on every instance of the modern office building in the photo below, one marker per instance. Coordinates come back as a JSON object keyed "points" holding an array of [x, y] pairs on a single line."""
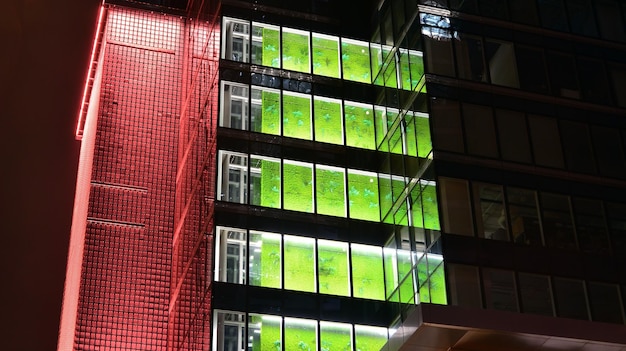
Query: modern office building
{"points": [[325, 175]]}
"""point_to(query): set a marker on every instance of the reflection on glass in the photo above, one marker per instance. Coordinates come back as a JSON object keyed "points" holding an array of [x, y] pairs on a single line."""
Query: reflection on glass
{"points": [[299, 258], [265, 259], [264, 332], [231, 257], [235, 40], [264, 181], [300, 334], [391, 272], [265, 111], [502, 66], [330, 191], [335, 336], [298, 186], [490, 214], [233, 177], [500, 291], [231, 332], [369, 338], [326, 55], [328, 120], [524, 216], [234, 111], [333, 272], [367, 272], [405, 276], [265, 45]]}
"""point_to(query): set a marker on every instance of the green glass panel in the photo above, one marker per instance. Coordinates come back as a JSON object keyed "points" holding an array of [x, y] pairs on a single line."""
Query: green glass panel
{"points": [[298, 187], [299, 257], [424, 144], [265, 260], [397, 185], [360, 129], [390, 75], [265, 182], [422, 278], [335, 336], [429, 207], [265, 46], [400, 215], [405, 276], [381, 129], [370, 338], [326, 56], [405, 70], [330, 192], [264, 332], [386, 198], [265, 111], [363, 196], [416, 207], [328, 121], [300, 334], [367, 272], [437, 280], [296, 51], [376, 58], [297, 116], [416, 69], [355, 61], [395, 141], [332, 268], [411, 137], [391, 276]]}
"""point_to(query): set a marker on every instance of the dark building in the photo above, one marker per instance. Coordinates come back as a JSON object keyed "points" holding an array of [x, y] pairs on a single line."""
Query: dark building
{"points": [[325, 175]]}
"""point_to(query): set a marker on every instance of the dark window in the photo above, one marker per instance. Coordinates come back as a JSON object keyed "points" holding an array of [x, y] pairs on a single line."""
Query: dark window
{"points": [[610, 20], [577, 147], [470, 58], [609, 153], [532, 71], [489, 210], [618, 80], [590, 226], [524, 216], [500, 291], [546, 143], [571, 300], [501, 59], [439, 59], [617, 225], [563, 76], [494, 8], [593, 81], [524, 11], [447, 130], [553, 15], [480, 132], [581, 17], [464, 286], [513, 136], [469, 6], [605, 303], [558, 228], [457, 217], [536, 294]]}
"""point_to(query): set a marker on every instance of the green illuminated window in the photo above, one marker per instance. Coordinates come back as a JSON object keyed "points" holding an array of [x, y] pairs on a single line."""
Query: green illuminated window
{"points": [[264, 333], [326, 55], [369, 338], [265, 111], [432, 279], [296, 51], [265, 45], [265, 259], [300, 334], [355, 60], [332, 267], [424, 207], [297, 115], [330, 191], [367, 272], [298, 186], [359, 122], [299, 257], [363, 195], [264, 181], [328, 120], [405, 277], [335, 336]]}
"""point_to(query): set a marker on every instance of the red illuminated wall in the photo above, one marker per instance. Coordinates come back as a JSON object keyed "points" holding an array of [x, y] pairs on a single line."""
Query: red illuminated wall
{"points": [[143, 275]]}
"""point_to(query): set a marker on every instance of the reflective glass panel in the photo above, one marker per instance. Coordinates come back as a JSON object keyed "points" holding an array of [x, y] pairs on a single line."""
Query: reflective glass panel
{"points": [[265, 181], [265, 45], [264, 332], [265, 111], [265, 259]]}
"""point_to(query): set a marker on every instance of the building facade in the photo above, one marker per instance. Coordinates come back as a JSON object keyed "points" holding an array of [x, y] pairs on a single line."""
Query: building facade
{"points": [[402, 175]]}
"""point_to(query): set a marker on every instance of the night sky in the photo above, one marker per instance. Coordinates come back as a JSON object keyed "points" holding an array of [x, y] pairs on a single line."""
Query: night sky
{"points": [[43, 60]]}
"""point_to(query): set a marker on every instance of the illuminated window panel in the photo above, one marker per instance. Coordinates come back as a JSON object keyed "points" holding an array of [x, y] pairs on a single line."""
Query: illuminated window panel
{"points": [[231, 257], [395, 141], [232, 177], [411, 68], [424, 209], [264, 333], [380, 125], [265, 45], [410, 135], [265, 181], [431, 279], [328, 120], [335, 336], [265, 110], [422, 130], [297, 116], [390, 75], [300, 334], [405, 277], [234, 106], [299, 258], [231, 335], [298, 186], [359, 125], [326, 55], [235, 40], [367, 272], [332, 267], [330, 191], [386, 197], [296, 51], [355, 60], [265, 259], [377, 60], [369, 338], [391, 273], [363, 195]]}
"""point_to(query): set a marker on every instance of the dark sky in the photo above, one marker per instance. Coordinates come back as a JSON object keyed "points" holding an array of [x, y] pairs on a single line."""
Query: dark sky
{"points": [[44, 55]]}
